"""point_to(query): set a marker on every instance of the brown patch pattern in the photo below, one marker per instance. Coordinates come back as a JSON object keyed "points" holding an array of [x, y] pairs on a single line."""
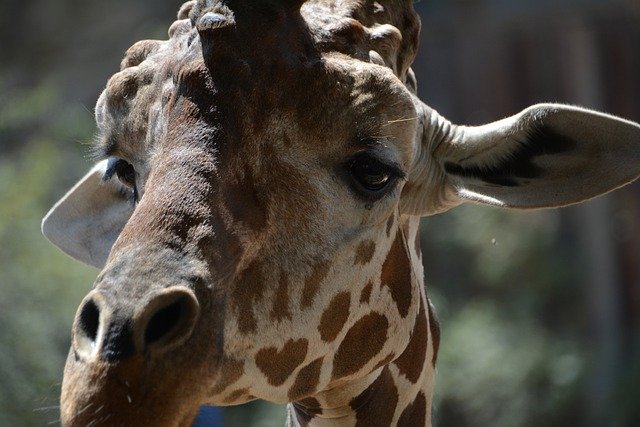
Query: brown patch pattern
{"points": [[364, 252], [276, 365], [415, 414], [396, 275], [334, 317], [312, 283], [307, 380], [280, 309], [376, 405], [365, 296], [362, 343], [434, 326], [245, 295], [411, 361]]}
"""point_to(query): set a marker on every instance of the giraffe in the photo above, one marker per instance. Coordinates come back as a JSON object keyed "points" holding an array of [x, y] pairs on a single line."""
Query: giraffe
{"points": [[256, 207]]}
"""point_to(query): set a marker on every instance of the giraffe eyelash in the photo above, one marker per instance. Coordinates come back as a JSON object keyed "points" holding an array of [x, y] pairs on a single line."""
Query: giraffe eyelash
{"points": [[118, 168]]}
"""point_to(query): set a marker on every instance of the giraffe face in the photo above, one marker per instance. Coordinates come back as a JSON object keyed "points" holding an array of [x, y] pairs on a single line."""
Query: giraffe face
{"points": [[264, 186], [264, 170]]}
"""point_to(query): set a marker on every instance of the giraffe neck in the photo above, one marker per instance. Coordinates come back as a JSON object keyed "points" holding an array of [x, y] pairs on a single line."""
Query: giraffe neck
{"points": [[399, 392]]}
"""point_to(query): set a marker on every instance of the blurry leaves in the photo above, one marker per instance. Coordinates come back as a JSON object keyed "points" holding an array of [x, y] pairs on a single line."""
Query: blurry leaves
{"points": [[500, 243], [508, 357], [25, 107], [39, 286], [500, 372]]}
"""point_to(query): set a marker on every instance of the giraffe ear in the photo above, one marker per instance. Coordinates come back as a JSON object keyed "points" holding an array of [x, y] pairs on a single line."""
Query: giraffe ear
{"points": [[89, 218], [385, 32], [546, 156]]}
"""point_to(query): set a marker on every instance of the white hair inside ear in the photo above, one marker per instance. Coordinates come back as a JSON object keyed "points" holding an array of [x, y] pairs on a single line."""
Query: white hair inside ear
{"points": [[547, 156]]}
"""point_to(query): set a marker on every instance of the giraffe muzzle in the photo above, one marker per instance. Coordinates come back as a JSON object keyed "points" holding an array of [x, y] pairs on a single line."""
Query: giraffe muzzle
{"points": [[112, 331]]}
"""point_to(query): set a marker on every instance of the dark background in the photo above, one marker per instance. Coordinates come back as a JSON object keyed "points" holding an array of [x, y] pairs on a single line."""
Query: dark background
{"points": [[540, 311]]}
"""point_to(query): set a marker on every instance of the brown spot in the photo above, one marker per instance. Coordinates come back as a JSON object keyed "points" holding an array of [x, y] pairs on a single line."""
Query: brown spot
{"points": [[230, 372], [362, 342], [245, 295], [280, 309], [365, 296], [306, 410], [312, 283], [334, 317], [390, 222], [376, 405], [364, 252], [416, 243], [245, 204], [306, 381], [434, 326], [415, 414], [411, 361], [396, 275], [276, 365]]}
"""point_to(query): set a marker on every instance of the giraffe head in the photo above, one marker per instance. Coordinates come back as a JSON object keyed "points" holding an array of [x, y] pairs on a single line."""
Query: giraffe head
{"points": [[255, 214]]}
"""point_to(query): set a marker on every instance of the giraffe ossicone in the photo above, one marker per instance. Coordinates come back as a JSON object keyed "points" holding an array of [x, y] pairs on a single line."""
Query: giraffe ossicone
{"points": [[256, 216]]}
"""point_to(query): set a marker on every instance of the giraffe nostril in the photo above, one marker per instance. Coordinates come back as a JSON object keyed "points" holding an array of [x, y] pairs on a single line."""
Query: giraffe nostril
{"points": [[86, 328], [173, 319], [89, 322], [164, 321]]}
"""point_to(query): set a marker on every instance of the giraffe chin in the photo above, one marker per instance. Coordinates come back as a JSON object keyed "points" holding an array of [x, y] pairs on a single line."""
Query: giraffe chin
{"points": [[99, 393]]}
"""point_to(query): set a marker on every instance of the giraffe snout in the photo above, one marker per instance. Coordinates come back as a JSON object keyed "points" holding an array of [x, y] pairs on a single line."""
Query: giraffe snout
{"points": [[112, 331]]}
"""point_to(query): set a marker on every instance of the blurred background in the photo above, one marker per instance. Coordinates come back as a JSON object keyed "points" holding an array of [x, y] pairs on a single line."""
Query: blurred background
{"points": [[540, 311]]}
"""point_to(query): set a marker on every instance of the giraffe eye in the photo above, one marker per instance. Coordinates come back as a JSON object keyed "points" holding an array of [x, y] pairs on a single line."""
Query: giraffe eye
{"points": [[125, 173], [123, 170], [371, 176]]}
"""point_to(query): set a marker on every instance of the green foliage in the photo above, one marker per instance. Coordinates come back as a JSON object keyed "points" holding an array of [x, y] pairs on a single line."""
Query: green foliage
{"points": [[500, 372], [506, 288], [24, 107], [39, 286]]}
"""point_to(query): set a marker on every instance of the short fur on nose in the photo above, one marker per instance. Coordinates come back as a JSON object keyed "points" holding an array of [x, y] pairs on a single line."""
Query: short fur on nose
{"points": [[164, 321]]}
